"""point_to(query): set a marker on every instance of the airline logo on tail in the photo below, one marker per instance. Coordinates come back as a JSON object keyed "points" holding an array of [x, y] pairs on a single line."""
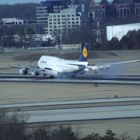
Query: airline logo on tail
{"points": [[84, 54]]}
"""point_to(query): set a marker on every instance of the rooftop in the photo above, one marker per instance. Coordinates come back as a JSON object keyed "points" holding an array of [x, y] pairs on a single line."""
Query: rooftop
{"points": [[122, 1]]}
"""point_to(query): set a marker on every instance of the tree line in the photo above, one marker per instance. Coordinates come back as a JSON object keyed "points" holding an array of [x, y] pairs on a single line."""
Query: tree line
{"points": [[14, 127], [19, 36], [130, 41]]}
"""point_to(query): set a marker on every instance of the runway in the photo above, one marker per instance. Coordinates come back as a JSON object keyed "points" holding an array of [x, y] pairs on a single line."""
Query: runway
{"points": [[80, 79], [85, 114], [71, 104], [75, 111], [81, 110]]}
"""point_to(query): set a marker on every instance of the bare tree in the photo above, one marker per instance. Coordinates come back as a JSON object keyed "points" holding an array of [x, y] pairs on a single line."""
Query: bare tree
{"points": [[12, 127]]}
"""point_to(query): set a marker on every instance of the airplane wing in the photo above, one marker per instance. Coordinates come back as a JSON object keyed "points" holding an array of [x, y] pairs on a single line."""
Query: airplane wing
{"points": [[96, 68], [4, 68], [124, 62], [33, 70]]}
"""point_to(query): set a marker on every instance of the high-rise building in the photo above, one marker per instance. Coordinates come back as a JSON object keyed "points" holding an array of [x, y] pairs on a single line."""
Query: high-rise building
{"points": [[46, 7], [66, 19], [58, 17]]}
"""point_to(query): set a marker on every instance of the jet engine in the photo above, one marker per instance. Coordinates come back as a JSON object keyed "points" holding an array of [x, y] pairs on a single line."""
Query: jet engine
{"points": [[34, 73], [23, 71]]}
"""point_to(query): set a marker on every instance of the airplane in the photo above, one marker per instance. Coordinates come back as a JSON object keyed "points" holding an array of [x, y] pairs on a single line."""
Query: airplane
{"points": [[57, 67]]}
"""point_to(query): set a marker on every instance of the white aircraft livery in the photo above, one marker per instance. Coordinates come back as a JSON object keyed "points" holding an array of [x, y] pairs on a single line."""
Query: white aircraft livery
{"points": [[58, 67]]}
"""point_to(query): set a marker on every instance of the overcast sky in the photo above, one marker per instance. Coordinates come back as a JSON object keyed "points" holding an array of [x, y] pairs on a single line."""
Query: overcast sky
{"points": [[24, 1]]}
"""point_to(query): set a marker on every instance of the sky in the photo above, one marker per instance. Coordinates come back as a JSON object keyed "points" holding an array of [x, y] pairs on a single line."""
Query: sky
{"points": [[24, 1]]}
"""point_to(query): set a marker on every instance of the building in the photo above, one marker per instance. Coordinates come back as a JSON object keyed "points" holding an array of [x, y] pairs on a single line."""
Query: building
{"points": [[124, 8], [121, 10], [46, 7], [97, 10], [58, 17], [119, 31], [127, 8], [137, 10], [66, 20], [12, 21]]}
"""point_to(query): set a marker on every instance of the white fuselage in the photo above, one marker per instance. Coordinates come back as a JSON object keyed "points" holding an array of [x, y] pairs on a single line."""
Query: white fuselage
{"points": [[56, 66]]}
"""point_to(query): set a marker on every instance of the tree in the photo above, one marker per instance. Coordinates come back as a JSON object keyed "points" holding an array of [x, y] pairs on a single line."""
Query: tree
{"points": [[109, 135], [30, 31], [114, 44], [131, 40], [125, 136], [63, 134], [7, 36], [41, 134], [138, 138], [12, 127], [94, 136], [124, 41]]}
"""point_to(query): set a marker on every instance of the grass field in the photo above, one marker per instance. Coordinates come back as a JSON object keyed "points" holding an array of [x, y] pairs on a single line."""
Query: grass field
{"points": [[37, 92]]}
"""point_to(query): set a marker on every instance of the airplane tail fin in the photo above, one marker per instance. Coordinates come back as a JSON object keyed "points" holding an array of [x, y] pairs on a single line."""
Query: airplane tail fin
{"points": [[84, 53]]}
